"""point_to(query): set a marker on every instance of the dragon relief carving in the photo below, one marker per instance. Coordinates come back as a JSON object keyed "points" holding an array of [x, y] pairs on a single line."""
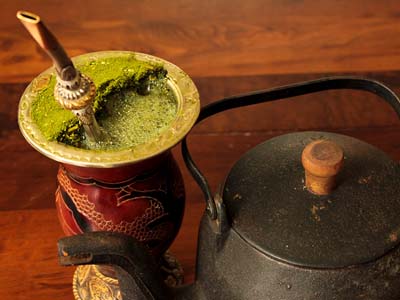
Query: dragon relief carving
{"points": [[144, 228]]}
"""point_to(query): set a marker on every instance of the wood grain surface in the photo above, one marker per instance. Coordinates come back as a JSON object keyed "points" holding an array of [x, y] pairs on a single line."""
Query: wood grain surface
{"points": [[227, 47], [214, 38]]}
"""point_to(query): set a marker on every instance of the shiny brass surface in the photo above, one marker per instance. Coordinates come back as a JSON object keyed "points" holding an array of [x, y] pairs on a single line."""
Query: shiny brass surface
{"points": [[90, 284], [95, 282], [188, 102]]}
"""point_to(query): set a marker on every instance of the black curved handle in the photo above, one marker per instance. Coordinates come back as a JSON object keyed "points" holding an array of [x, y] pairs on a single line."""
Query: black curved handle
{"points": [[283, 92]]}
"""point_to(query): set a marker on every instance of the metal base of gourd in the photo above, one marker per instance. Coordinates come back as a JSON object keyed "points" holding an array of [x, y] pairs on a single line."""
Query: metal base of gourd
{"points": [[90, 282]]}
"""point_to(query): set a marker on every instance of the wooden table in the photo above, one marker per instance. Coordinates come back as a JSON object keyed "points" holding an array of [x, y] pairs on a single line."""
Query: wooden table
{"points": [[227, 47]]}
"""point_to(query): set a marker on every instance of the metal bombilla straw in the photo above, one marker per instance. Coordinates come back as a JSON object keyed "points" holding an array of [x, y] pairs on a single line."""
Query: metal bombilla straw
{"points": [[74, 91]]}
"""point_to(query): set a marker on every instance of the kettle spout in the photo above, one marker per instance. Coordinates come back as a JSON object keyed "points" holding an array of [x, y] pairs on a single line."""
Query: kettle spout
{"points": [[136, 269]]}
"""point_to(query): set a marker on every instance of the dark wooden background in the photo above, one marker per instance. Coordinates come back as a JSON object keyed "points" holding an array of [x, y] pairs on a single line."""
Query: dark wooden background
{"points": [[227, 47]]}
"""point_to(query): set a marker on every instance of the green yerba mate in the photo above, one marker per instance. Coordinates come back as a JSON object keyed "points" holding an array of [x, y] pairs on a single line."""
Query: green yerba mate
{"points": [[126, 116]]}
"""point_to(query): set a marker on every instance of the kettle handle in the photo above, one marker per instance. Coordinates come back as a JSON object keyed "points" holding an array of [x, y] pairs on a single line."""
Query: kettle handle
{"points": [[283, 92]]}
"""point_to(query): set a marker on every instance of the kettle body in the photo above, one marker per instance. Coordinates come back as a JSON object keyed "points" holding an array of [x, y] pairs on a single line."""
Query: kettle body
{"points": [[309, 246], [240, 271]]}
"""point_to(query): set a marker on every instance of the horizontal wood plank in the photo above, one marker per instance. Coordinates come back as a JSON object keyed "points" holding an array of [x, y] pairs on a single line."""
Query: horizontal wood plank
{"points": [[213, 38], [339, 109], [33, 185]]}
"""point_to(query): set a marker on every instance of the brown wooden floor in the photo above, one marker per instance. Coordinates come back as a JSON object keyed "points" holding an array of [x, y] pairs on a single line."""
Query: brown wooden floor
{"points": [[227, 47]]}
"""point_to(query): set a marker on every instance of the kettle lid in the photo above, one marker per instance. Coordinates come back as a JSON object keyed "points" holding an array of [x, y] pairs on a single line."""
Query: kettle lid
{"points": [[270, 208]]}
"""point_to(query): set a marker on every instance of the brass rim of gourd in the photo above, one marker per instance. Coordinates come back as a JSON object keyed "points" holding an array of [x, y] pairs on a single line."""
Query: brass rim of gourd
{"points": [[188, 108]]}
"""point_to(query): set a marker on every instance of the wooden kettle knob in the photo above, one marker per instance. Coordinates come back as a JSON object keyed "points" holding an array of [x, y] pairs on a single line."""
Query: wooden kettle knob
{"points": [[322, 160]]}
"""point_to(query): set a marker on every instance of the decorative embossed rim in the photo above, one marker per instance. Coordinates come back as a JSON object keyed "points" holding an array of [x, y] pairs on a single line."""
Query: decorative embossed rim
{"points": [[188, 110]]}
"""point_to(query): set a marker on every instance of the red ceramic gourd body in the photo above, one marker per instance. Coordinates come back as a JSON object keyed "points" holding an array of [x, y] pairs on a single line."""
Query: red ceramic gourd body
{"points": [[144, 200]]}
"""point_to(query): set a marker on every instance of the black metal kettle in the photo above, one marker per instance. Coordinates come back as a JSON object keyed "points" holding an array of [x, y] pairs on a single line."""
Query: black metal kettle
{"points": [[310, 215]]}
